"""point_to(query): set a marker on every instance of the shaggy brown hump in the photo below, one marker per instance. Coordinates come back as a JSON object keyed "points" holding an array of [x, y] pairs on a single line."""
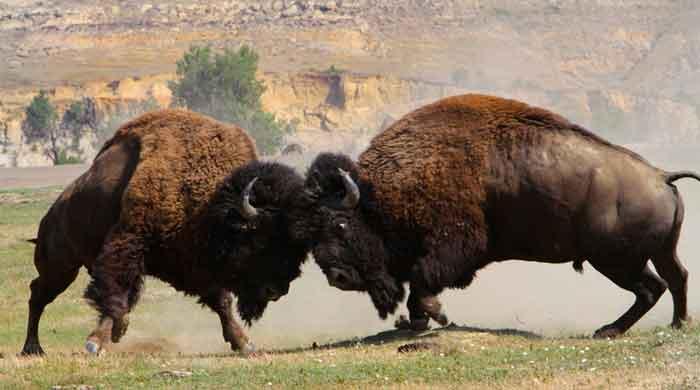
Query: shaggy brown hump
{"points": [[183, 157], [427, 167]]}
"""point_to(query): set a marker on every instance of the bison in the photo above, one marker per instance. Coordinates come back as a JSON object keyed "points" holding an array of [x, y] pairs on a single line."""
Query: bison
{"points": [[180, 197], [470, 180]]}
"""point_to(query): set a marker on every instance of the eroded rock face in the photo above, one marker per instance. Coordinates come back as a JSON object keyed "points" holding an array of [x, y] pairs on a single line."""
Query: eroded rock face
{"points": [[628, 69]]}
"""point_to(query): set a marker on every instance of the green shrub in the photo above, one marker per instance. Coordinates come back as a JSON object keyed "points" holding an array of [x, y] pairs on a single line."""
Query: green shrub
{"points": [[40, 118], [224, 86]]}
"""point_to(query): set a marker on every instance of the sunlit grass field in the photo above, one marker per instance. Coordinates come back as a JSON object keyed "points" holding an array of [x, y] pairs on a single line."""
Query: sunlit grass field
{"points": [[454, 357]]}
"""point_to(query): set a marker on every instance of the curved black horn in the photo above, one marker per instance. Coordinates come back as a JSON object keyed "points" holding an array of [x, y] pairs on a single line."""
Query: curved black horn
{"points": [[352, 193], [249, 212]]}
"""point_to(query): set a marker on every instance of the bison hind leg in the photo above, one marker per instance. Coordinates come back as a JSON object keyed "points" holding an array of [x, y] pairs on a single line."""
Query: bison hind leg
{"points": [[676, 275], [44, 290], [644, 283]]}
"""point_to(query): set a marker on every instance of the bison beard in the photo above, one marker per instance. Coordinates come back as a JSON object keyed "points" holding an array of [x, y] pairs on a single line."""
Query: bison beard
{"points": [[250, 307], [386, 294]]}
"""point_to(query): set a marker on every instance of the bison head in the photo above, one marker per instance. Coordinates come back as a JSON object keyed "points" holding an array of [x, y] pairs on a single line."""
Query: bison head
{"points": [[346, 244], [251, 248]]}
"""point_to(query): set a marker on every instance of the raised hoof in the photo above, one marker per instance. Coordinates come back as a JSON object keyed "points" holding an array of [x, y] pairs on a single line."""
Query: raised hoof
{"points": [[92, 347], [33, 349], [607, 331], [119, 329], [680, 324], [248, 350]]}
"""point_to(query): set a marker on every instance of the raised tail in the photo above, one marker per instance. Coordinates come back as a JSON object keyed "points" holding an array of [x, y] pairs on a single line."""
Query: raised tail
{"points": [[673, 176]]}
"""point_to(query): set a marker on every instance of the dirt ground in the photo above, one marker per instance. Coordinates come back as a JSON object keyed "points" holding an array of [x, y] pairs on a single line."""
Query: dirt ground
{"points": [[35, 177]]}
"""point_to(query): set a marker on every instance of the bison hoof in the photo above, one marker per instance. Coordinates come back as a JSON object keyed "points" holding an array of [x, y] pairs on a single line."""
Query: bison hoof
{"points": [[420, 324], [32, 349], [680, 324], [402, 323], [92, 347], [248, 349], [608, 331], [119, 329], [442, 319]]}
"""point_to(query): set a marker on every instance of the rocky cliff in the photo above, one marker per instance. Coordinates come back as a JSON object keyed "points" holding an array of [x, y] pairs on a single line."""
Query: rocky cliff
{"points": [[628, 69]]}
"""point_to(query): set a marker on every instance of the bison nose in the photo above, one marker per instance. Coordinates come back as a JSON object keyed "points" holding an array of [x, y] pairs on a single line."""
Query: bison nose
{"points": [[339, 278]]}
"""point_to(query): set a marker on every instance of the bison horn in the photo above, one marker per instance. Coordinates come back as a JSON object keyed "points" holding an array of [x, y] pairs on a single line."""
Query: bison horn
{"points": [[352, 193], [249, 212]]}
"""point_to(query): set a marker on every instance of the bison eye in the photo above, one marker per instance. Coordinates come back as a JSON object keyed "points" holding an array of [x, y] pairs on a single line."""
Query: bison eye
{"points": [[342, 226]]}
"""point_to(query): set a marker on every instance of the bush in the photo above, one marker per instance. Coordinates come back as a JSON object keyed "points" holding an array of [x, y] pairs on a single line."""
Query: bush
{"points": [[224, 86], [334, 71], [40, 125], [79, 115], [40, 119]]}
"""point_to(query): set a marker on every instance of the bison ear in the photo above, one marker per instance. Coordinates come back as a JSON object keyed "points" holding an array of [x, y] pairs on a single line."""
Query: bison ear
{"points": [[312, 186]]}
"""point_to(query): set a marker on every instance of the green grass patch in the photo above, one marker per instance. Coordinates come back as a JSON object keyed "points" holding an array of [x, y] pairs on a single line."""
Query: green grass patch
{"points": [[457, 357]]}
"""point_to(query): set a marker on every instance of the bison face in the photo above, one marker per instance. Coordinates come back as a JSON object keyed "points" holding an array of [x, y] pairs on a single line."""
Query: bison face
{"points": [[251, 250], [346, 246], [354, 258]]}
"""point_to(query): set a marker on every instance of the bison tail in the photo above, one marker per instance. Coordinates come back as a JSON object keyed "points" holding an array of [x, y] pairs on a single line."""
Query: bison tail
{"points": [[33, 240], [673, 176], [578, 266]]}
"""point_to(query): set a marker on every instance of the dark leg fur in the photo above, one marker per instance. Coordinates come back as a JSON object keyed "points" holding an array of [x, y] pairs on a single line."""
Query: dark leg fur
{"points": [[670, 268], [44, 289], [117, 279], [646, 286], [675, 274], [422, 306], [221, 303]]}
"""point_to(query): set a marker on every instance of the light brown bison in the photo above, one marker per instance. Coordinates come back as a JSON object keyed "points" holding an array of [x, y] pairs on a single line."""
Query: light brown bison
{"points": [[181, 197], [473, 179]]}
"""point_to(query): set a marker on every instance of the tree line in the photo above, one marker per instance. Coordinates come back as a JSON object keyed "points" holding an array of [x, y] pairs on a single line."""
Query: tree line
{"points": [[222, 85]]}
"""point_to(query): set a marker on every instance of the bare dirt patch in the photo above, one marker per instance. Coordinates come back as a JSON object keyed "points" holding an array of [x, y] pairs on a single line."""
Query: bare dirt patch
{"points": [[35, 177]]}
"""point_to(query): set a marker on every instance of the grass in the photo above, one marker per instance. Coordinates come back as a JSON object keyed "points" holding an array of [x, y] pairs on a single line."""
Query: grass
{"points": [[456, 357]]}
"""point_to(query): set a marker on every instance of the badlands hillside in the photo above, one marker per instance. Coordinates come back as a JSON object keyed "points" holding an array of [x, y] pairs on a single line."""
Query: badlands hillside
{"points": [[628, 69]]}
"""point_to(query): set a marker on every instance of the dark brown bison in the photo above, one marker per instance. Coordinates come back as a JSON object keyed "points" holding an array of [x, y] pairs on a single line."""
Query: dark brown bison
{"points": [[474, 179], [180, 197]]}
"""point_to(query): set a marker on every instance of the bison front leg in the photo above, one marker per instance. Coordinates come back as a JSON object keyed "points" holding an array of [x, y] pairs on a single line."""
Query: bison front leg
{"points": [[422, 306], [221, 303], [117, 280]]}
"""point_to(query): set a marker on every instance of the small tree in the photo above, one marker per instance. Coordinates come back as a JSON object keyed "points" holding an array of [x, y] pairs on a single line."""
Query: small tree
{"points": [[40, 118], [80, 115], [224, 86], [41, 124]]}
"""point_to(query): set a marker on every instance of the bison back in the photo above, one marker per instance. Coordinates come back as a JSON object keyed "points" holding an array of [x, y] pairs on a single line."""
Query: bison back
{"points": [[184, 156]]}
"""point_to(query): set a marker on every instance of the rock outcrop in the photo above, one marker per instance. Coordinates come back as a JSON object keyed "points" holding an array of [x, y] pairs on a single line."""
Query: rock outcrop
{"points": [[628, 69]]}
